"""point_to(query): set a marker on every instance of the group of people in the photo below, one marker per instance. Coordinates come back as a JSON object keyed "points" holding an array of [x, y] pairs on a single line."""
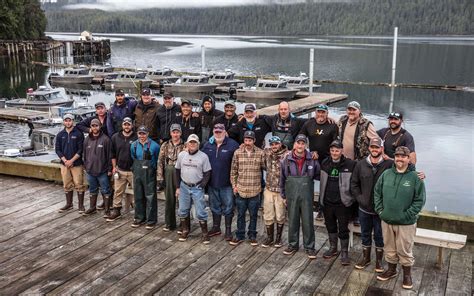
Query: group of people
{"points": [[362, 171]]}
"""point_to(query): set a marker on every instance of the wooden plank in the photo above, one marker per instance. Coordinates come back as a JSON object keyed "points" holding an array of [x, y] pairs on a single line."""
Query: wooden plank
{"points": [[301, 105], [434, 280], [440, 238], [358, 282], [30, 169], [460, 273], [24, 205], [17, 114], [416, 277]]}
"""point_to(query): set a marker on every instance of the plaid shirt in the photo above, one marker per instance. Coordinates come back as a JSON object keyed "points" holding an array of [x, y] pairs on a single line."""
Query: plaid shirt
{"points": [[272, 166], [168, 156], [246, 171]]}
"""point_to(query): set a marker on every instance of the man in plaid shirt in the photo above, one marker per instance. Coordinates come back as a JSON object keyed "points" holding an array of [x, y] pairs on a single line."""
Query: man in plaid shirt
{"points": [[245, 176]]}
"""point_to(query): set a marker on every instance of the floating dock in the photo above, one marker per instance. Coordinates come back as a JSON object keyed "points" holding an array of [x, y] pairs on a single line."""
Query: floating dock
{"points": [[21, 115]]}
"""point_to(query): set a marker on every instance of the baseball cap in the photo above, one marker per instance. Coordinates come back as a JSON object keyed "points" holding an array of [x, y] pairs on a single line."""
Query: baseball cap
{"points": [[175, 127], [95, 121], [397, 115], [119, 92], [354, 105], [193, 137], [142, 129], [229, 102], [376, 142], [249, 107], [301, 137], [167, 95], [336, 143], [249, 134], [322, 107], [402, 150], [219, 127], [68, 116], [127, 120], [186, 101], [274, 139], [99, 104], [146, 91]]}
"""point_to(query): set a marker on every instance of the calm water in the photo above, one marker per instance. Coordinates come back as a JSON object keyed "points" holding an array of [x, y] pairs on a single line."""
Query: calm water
{"points": [[440, 121]]}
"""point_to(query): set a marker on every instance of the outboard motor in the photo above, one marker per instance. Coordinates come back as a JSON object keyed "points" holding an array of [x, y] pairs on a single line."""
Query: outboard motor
{"points": [[232, 93]]}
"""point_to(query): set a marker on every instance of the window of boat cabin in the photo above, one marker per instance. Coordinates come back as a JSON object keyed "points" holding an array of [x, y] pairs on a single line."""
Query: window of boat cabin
{"points": [[305, 81], [45, 140], [260, 84], [36, 138], [282, 85], [51, 140]]}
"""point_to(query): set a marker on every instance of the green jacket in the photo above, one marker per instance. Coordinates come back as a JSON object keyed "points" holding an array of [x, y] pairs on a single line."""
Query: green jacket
{"points": [[399, 197]]}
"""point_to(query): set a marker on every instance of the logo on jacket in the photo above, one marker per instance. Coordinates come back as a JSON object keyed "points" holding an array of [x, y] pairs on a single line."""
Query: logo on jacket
{"points": [[319, 132], [406, 183]]}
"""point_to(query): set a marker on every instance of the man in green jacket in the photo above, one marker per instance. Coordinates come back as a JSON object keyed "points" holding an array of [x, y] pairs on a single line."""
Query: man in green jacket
{"points": [[399, 196]]}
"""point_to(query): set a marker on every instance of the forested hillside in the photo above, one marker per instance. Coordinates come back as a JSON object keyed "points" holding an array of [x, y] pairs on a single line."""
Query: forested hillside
{"points": [[21, 19], [365, 17]]}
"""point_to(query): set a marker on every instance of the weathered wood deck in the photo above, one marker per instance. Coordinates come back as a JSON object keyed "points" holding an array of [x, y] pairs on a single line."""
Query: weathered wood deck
{"points": [[44, 252]]}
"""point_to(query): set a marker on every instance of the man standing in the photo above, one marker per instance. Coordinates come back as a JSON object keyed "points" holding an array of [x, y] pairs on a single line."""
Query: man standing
{"points": [[193, 172], [395, 136], [121, 165], [399, 197], [69, 146], [336, 199], [229, 118], [144, 153], [366, 173], [284, 124], [122, 108], [274, 208], [246, 174], [98, 166], [221, 196], [101, 114], [355, 132], [189, 124], [167, 174], [250, 123], [298, 172], [207, 116], [166, 115], [145, 114]]}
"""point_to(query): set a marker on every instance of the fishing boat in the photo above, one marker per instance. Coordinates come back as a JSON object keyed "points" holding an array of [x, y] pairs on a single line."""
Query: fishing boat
{"points": [[226, 78], [162, 75], [299, 82], [41, 99], [102, 71], [79, 112], [79, 75], [127, 80], [270, 89], [191, 84]]}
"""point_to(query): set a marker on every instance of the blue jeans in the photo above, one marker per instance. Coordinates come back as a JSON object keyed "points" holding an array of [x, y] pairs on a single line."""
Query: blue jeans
{"points": [[368, 223], [221, 201], [243, 204], [101, 181], [189, 195]]}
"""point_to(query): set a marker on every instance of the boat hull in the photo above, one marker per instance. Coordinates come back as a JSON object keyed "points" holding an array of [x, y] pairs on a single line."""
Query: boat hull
{"points": [[161, 78], [20, 103], [191, 88], [267, 94], [87, 79], [127, 84]]}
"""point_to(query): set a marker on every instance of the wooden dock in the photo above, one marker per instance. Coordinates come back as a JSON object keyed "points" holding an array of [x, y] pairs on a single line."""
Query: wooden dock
{"points": [[45, 252], [23, 115]]}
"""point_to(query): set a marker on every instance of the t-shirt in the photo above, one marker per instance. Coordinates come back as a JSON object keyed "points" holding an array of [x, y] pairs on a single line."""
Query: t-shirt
{"points": [[192, 166], [391, 142], [320, 136], [332, 195]]}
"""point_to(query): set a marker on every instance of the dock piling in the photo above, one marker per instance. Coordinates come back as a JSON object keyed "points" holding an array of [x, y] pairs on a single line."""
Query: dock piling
{"points": [[311, 69]]}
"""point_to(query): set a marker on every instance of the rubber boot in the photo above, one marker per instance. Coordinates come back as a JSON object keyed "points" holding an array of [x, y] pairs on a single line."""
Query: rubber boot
{"points": [[107, 202], [205, 235], [216, 225], [378, 259], [184, 229], [68, 205], [80, 202], [391, 272], [114, 215], [407, 282], [332, 252], [345, 260], [92, 208], [278, 242], [228, 228], [270, 233], [365, 258], [102, 205]]}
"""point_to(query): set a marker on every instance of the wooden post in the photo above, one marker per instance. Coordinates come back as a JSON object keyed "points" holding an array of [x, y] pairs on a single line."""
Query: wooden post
{"points": [[439, 264]]}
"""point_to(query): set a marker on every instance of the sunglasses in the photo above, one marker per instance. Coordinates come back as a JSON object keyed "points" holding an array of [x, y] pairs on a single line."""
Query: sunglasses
{"points": [[394, 115]]}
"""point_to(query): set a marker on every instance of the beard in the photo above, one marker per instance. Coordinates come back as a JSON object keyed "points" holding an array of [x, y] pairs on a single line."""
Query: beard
{"points": [[394, 126], [375, 154]]}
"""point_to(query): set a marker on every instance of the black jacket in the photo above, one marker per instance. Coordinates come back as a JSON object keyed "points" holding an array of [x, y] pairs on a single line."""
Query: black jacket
{"points": [[207, 118], [363, 182], [260, 128], [70, 144], [85, 125], [228, 123], [96, 155], [164, 119], [276, 123], [121, 150], [188, 127]]}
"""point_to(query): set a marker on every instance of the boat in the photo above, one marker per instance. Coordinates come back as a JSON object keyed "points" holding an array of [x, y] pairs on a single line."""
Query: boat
{"points": [[191, 84], [80, 113], [72, 75], [102, 71], [226, 78], [299, 82], [41, 99], [270, 89], [162, 75], [127, 80]]}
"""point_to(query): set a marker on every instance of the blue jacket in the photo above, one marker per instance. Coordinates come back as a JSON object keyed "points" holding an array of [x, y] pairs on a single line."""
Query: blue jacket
{"points": [[138, 150], [70, 144], [289, 167], [117, 113], [221, 160]]}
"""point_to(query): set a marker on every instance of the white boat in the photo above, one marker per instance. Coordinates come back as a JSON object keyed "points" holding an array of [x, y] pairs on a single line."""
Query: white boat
{"points": [[226, 78], [72, 75], [191, 84], [127, 80], [270, 89], [162, 75], [299, 82], [80, 113], [102, 71], [41, 99]]}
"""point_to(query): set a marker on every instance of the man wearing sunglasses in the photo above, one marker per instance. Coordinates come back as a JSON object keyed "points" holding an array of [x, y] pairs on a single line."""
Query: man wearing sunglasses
{"points": [[395, 136], [123, 107]]}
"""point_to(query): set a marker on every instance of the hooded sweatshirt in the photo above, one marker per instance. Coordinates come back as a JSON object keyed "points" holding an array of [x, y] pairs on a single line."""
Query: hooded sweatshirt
{"points": [[164, 119], [146, 115], [97, 154], [207, 118]]}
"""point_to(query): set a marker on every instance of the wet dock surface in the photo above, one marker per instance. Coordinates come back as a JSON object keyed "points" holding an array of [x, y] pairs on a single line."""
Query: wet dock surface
{"points": [[45, 252]]}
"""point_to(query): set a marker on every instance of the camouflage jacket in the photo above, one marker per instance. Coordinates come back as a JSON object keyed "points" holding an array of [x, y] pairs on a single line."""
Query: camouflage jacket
{"points": [[168, 156], [272, 166]]}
